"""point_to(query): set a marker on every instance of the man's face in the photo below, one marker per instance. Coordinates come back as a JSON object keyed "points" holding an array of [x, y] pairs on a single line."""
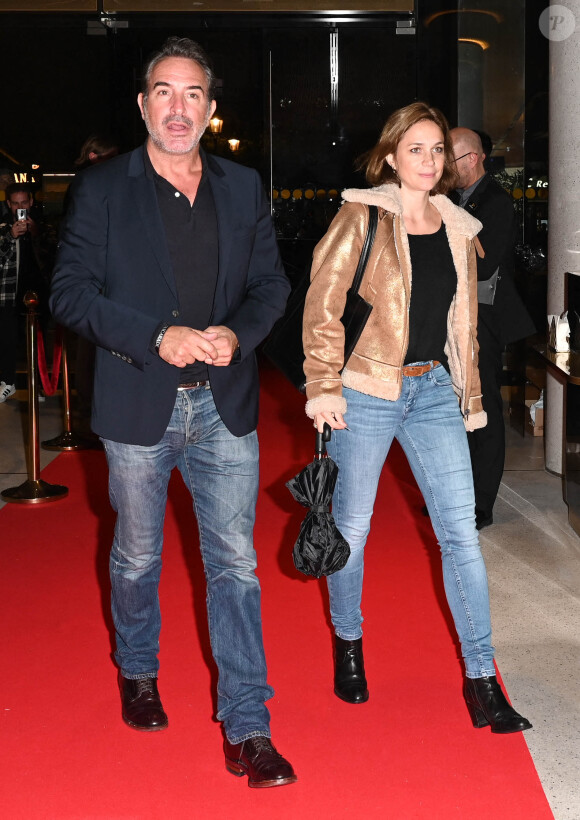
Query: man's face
{"points": [[20, 199], [177, 109], [463, 162]]}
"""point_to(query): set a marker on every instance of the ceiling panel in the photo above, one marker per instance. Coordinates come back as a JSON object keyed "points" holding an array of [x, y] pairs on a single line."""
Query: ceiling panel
{"points": [[120, 6], [259, 5], [49, 5]]}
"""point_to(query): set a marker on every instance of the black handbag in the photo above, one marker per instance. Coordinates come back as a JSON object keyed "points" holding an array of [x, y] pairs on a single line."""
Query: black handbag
{"points": [[284, 345]]}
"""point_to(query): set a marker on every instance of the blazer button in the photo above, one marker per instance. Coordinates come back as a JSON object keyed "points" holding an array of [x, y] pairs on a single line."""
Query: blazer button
{"points": [[175, 313]]}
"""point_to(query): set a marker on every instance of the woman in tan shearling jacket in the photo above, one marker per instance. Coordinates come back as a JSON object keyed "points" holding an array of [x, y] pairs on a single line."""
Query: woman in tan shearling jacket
{"points": [[375, 365], [412, 376]]}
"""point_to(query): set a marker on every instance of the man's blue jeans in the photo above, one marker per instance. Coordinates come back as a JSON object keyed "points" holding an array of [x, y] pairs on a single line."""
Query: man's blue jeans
{"points": [[221, 472], [427, 422]]}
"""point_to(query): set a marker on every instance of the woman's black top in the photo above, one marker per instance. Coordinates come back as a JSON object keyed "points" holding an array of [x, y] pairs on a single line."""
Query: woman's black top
{"points": [[434, 282]]}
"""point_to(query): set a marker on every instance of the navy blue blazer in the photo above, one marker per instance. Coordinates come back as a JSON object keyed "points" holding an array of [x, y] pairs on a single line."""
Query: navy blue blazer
{"points": [[113, 284]]}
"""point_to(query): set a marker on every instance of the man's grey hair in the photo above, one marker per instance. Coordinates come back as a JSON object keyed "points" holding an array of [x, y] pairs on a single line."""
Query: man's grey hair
{"points": [[180, 47]]}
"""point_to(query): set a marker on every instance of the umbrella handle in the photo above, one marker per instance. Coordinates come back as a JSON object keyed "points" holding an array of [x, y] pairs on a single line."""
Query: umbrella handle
{"points": [[321, 439]]}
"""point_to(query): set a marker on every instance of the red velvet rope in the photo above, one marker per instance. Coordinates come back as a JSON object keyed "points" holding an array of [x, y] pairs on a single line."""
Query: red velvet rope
{"points": [[49, 383]]}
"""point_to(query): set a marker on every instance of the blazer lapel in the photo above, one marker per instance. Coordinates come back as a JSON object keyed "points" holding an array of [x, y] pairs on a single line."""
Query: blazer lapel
{"points": [[472, 203], [223, 205], [145, 199]]}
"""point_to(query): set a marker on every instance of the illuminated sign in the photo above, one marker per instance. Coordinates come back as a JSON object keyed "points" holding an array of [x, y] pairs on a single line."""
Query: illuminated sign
{"points": [[23, 176]]}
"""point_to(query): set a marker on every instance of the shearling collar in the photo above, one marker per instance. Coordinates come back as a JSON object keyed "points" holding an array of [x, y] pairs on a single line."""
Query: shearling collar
{"points": [[388, 196]]}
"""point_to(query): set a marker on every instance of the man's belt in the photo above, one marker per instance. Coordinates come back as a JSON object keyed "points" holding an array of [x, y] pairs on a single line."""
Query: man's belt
{"points": [[193, 385]]}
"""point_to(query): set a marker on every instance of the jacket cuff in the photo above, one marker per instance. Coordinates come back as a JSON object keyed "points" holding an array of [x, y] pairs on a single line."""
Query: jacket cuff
{"points": [[321, 404], [475, 421]]}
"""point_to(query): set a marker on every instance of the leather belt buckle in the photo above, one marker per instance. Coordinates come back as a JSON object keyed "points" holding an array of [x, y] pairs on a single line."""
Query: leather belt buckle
{"points": [[419, 369]]}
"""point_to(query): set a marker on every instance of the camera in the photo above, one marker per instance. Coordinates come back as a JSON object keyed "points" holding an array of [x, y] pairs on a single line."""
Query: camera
{"points": [[21, 213]]}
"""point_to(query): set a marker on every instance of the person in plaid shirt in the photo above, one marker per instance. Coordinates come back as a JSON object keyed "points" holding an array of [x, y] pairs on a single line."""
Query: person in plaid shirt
{"points": [[23, 262]]}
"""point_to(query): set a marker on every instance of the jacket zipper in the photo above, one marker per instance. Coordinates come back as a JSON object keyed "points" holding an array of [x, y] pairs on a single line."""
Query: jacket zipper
{"points": [[468, 375], [406, 342]]}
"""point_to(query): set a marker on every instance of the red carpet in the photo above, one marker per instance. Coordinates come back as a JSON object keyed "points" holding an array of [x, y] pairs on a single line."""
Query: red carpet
{"points": [[409, 753]]}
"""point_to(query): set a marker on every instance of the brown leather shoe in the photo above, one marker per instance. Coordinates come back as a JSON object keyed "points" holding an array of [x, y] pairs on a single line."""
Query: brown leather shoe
{"points": [[258, 758], [142, 707]]}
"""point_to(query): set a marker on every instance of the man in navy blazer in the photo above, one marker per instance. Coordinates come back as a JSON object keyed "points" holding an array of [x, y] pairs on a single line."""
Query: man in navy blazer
{"points": [[168, 263]]}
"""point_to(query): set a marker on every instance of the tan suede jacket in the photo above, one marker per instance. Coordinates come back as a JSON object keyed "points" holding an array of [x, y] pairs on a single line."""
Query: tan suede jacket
{"points": [[375, 366]]}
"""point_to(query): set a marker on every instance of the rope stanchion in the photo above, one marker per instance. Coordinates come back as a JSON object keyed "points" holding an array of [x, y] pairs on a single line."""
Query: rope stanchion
{"points": [[49, 383], [35, 490], [67, 440]]}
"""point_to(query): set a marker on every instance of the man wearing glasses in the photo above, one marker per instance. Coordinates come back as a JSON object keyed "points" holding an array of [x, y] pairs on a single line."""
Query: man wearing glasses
{"points": [[502, 317]]}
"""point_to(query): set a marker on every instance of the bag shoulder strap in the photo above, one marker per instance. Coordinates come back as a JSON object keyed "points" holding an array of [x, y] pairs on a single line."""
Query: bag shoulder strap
{"points": [[366, 248]]}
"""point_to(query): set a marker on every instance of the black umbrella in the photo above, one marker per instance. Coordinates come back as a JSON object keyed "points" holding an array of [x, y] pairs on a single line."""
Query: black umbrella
{"points": [[320, 548]]}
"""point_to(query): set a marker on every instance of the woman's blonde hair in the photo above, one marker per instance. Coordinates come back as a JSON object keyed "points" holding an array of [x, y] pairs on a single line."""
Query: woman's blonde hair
{"points": [[374, 162]]}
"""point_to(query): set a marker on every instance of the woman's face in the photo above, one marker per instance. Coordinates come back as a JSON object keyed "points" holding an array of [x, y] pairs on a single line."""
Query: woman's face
{"points": [[420, 157]]}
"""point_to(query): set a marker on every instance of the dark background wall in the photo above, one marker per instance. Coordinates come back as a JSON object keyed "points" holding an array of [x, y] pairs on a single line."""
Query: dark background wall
{"points": [[62, 83], [55, 88]]}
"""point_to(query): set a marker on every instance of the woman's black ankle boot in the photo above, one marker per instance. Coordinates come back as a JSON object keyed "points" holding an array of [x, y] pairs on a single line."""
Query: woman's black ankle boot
{"points": [[488, 706], [350, 683]]}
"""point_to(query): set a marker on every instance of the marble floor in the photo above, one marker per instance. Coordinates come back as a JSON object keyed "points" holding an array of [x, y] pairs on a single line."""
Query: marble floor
{"points": [[533, 560]]}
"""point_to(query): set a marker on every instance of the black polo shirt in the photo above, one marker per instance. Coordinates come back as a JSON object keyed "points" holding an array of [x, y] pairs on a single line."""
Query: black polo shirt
{"points": [[192, 239]]}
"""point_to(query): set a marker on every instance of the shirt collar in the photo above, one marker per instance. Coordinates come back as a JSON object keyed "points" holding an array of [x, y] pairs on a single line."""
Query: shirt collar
{"points": [[152, 174], [465, 193]]}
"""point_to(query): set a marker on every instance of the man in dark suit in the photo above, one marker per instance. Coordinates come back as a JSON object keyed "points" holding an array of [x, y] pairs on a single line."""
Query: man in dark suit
{"points": [[502, 316], [169, 264]]}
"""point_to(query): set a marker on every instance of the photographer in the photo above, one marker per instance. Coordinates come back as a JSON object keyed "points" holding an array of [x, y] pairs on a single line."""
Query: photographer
{"points": [[24, 258]]}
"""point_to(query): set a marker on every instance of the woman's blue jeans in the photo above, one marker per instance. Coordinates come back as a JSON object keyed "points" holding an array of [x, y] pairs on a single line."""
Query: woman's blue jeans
{"points": [[427, 422], [221, 472]]}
